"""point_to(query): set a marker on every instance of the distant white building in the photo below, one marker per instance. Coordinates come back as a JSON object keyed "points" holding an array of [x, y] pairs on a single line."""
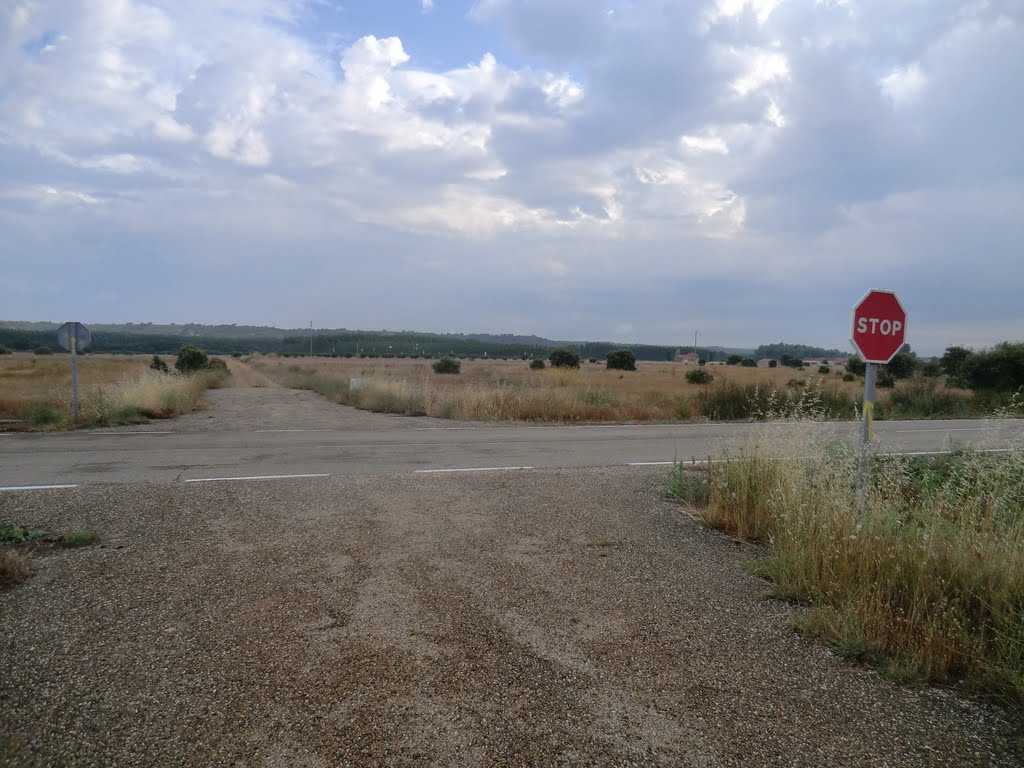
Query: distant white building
{"points": [[690, 358]]}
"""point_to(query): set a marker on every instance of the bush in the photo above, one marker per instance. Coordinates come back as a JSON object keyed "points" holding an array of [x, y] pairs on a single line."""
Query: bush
{"points": [[447, 365], [564, 357], [1000, 369], [158, 364], [885, 378], [191, 359], [855, 365], [748, 362], [593, 360], [216, 364], [699, 376], [4, 350], [734, 359], [537, 365], [823, 369], [42, 351], [923, 398], [622, 360], [702, 361], [849, 377], [773, 363]]}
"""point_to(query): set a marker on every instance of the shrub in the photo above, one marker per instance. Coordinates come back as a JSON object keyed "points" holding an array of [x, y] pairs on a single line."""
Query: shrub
{"points": [[537, 365], [76, 539], [923, 398], [564, 357], [4, 350], [622, 360], [702, 361], [699, 376], [593, 360], [447, 365], [748, 362], [849, 377], [191, 359], [823, 369], [855, 365], [216, 364], [158, 364], [14, 567], [885, 378], [773, 363], [734, 359], [42, 351]]}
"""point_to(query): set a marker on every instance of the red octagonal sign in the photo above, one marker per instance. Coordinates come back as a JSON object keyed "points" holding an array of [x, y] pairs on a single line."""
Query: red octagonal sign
{"points": [[879, 327]]}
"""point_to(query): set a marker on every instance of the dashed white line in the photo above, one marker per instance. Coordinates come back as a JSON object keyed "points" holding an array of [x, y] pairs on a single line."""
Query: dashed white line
{"points": [[945, 429], [252, 477], [121, 434], [469, 469], [293, 430], [35, 487], [444, 429]]}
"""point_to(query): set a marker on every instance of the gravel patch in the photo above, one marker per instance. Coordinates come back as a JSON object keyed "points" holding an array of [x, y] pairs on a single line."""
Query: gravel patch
{"points": [[564, 617]]}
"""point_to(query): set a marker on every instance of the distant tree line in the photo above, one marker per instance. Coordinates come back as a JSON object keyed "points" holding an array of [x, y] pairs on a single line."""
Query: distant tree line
{"points": [[799, 351]]}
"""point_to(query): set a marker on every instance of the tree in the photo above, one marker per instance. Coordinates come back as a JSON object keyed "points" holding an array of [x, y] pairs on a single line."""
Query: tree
{"points": [[158, 364], [748, 362], [1000, 369], [537, 365], [773, 363], [904, 364], [791, 361], [564, 357], [953, 359], [855, 365], [191, 359], [734, 359], [622, 360]]}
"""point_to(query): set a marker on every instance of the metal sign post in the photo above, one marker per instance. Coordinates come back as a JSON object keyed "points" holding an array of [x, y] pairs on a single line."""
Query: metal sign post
{"points": [[878, 333], [73, 337]]}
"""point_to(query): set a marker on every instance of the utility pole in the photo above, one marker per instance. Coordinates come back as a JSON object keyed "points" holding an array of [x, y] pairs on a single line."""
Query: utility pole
{"points": [[310, 338], [695, 345]]}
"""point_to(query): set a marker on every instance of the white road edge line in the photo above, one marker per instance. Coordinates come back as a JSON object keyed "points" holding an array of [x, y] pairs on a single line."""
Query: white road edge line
{"points": [[445, 429], [468, 469], [252, 477], [34, 487], [650, 463]]}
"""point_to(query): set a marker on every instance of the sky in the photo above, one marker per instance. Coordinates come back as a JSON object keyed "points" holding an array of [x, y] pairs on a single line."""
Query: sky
{"points": [[621, 170]]}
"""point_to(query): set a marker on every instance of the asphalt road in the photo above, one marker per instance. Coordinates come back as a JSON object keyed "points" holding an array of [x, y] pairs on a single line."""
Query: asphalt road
{"points": [[162, 454]]}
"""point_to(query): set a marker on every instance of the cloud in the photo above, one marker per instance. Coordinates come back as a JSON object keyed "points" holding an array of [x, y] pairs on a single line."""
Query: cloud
{"points": [[748, 144]]}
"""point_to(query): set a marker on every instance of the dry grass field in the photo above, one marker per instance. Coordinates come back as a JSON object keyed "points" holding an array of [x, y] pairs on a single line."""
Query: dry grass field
{"points": [[35, 390], [510, 390]]}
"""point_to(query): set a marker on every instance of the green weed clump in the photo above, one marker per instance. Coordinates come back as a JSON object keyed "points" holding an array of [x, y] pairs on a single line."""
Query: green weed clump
{"points": [[923, 574], [922, 398], [729, 401], [75, 539]]}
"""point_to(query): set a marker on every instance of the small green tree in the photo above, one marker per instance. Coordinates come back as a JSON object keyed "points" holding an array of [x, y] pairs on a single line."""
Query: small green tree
{"points": [[734, 359], [564, 357], [773, 363], [191, 359], [699, 376], [855, 365], [537, 365], [622, 360], [158, 364], [447, 365], [748, 362]]}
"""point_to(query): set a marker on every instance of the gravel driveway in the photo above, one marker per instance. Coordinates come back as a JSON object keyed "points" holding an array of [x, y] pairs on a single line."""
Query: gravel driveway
{"points": [[563, 617]]}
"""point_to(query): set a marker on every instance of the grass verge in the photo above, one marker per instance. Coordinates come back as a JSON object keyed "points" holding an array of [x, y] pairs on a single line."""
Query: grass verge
{"points": [[924, 575]]}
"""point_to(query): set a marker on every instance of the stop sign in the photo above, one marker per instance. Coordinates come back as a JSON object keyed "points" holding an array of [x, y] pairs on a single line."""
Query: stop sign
{"points": [[879, 327]]}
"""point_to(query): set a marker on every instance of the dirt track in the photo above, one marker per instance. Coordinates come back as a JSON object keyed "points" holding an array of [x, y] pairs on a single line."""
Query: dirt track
{"points": [[565, 617]]}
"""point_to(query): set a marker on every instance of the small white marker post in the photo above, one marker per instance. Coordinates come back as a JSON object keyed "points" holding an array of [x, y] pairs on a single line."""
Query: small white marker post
{"points": [[73, 337]]}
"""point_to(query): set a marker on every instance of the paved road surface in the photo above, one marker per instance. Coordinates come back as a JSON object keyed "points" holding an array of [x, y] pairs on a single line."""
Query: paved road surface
{"points": [[346, 442]]}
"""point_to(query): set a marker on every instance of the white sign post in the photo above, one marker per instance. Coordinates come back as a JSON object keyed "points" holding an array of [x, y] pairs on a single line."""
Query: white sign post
{"points": [[73, 337]]}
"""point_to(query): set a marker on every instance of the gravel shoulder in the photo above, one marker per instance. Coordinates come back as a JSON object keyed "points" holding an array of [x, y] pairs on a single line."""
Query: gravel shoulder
{"points": [[565, 617]]}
